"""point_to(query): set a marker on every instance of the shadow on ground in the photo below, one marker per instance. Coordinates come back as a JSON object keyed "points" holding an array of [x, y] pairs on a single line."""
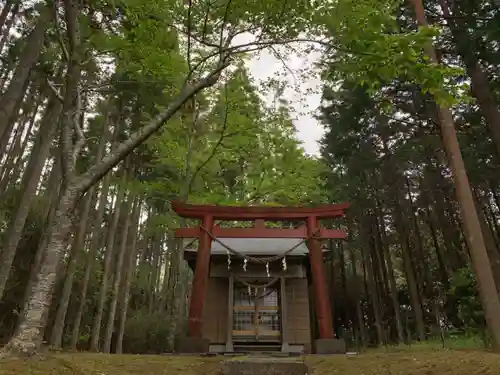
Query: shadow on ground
{"points": [[405, 363]]}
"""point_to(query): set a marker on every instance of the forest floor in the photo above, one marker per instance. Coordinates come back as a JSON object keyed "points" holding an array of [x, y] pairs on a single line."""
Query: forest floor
{"points": [[444, 362]]}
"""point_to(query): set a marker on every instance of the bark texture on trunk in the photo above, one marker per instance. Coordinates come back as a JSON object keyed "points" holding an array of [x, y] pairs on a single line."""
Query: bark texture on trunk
{"points": [[77, 250], [29, 334], [29, 184]]}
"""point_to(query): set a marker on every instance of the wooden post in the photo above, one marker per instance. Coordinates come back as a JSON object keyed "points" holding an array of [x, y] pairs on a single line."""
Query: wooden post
{"points": [[230, 313], [284, 317], [200, 279], [321, 298]]}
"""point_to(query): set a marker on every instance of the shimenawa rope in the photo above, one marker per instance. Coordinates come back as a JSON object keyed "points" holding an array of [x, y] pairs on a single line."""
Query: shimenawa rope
{"points": [[262, 260]]}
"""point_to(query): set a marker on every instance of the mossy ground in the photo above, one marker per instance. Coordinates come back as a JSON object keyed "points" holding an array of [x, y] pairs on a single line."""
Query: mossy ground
{"points": [[420, 362], [104, 364], [443, 362]]}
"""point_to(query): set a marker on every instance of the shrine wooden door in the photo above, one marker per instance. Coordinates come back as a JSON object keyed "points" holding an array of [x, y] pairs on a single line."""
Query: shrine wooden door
{"points": [[256, 315]]}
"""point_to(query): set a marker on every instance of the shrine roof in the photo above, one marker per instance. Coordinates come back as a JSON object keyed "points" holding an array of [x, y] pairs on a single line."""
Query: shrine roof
{"points": [[253, 246], [258, 212]]}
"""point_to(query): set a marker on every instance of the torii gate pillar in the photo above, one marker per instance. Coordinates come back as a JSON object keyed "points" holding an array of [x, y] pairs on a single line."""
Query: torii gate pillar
{"points": [[321, 299], [199, 286]]}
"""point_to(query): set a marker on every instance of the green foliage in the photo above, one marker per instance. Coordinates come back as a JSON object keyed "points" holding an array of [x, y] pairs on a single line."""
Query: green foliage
{"points": [[370, 48], [150, 46], [463, 291], [240, 152], [147, 332]]}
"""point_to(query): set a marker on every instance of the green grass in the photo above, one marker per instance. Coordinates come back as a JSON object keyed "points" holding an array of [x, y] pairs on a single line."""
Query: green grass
{"points": [[106, 364], [421, 359], [455, 343], [441, 362]]}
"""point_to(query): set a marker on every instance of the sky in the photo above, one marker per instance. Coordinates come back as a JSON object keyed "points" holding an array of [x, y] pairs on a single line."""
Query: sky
{"points": [[303, 93]]}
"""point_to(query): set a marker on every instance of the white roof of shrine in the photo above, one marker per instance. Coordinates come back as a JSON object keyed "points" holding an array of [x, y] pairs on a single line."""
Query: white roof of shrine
{"points": [[255, 246]]}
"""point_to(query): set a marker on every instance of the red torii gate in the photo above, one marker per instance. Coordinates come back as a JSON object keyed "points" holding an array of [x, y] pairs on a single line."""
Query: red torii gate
{"points": [[258, 214]]}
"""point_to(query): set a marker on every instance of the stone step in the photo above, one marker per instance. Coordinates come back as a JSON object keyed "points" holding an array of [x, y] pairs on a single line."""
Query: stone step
{"points": [[256, 348], [256, 365]]}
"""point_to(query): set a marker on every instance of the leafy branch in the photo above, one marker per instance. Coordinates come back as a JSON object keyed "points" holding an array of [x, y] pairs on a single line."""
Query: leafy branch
{"points": [[223, 135]]}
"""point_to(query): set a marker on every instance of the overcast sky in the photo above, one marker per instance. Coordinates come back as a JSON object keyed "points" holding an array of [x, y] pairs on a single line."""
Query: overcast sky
{"points": [[299, 95]]}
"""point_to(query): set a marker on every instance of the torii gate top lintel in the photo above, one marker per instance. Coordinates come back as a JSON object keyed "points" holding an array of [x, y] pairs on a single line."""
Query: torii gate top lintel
{"points": [[194, 211]]}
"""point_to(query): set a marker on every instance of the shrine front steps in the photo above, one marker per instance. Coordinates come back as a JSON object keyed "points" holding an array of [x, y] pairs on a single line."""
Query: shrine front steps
{"points": [[265, 365]]}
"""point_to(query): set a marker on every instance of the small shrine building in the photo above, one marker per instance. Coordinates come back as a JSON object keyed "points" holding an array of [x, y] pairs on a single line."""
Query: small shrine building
{"points": [[255, 287]]}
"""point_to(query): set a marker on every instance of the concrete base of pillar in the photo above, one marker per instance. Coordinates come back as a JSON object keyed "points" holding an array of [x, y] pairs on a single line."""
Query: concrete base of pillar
{"points": [[229, 347], [191, 345], [217, 348], [330, 346], [285, 348], [292, 348]]}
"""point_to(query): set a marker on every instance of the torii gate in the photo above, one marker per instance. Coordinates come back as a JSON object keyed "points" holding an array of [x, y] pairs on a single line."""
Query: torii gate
{"points": [[312, 231]]}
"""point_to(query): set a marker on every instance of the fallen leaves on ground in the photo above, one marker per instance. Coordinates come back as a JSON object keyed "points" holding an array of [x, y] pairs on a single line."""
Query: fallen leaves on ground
{"points": [[407, 363], [106, 364], [400, 363]]}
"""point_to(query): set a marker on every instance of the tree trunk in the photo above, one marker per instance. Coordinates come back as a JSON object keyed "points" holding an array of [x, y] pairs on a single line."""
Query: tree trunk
{"points": [[427, 292], [454, 255], [91, 256], [359, 311], [392, 281], [77, 249], [472, 226], [132, 257], [15, 92], [393, 176], [29, 184], [29, 334], [479, 79], [53, 195], [410, 278], [29, 111], [8, 24], [372, 288], [493, 254], [5, 12], [118, 278], [445, 273], [11, 168], [343, 277], [103, 290], [165, 291], [154, 265], [95, 243], [492, 220]]}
